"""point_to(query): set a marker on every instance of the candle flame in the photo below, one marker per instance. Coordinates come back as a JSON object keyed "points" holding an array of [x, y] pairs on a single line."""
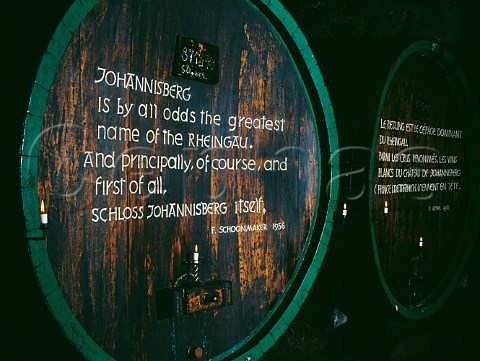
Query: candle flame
{"points": [[421, 239], [344, 205], [196, 248], [386, 204], [42, 207]]}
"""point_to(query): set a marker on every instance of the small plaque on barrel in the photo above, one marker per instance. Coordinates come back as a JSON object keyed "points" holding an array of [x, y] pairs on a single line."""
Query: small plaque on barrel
{"points": [[196, 60]]}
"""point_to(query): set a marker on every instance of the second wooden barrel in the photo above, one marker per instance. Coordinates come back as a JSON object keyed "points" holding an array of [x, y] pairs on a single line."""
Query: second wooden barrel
{"points": [[173, 160], [424, 194]]}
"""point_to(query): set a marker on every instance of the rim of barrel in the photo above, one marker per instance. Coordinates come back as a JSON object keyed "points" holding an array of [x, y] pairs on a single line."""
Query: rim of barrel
{"points": [[446, 286], [32, 133]]}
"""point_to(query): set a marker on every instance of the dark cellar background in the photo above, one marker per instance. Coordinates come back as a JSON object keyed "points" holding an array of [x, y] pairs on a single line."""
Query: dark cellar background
{"points": [[355, 42]]}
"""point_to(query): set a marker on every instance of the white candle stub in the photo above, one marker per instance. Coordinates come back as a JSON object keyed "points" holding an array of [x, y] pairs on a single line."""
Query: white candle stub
{"points": [[196, 254], [43, 214]]}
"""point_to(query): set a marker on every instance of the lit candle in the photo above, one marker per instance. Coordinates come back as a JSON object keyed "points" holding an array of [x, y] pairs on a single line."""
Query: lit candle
{"points": [[43, 214], [344, 212], [421, 242], [195, 254], [385, 209]]}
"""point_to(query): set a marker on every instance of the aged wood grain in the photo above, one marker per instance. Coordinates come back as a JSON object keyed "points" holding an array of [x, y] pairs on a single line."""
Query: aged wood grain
{"points": [[109, 272]]}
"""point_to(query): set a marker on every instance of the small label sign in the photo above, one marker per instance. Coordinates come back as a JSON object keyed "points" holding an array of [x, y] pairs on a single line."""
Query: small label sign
{"points": [[196, 60], [420, 108]]}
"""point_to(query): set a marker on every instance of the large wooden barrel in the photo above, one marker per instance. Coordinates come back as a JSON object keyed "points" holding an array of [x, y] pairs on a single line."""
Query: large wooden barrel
{"points": [[424, 193], [180, 149]]}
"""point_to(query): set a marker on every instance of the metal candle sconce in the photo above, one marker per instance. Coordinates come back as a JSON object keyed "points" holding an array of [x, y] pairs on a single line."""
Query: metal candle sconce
{"points": [[190, 295]]}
